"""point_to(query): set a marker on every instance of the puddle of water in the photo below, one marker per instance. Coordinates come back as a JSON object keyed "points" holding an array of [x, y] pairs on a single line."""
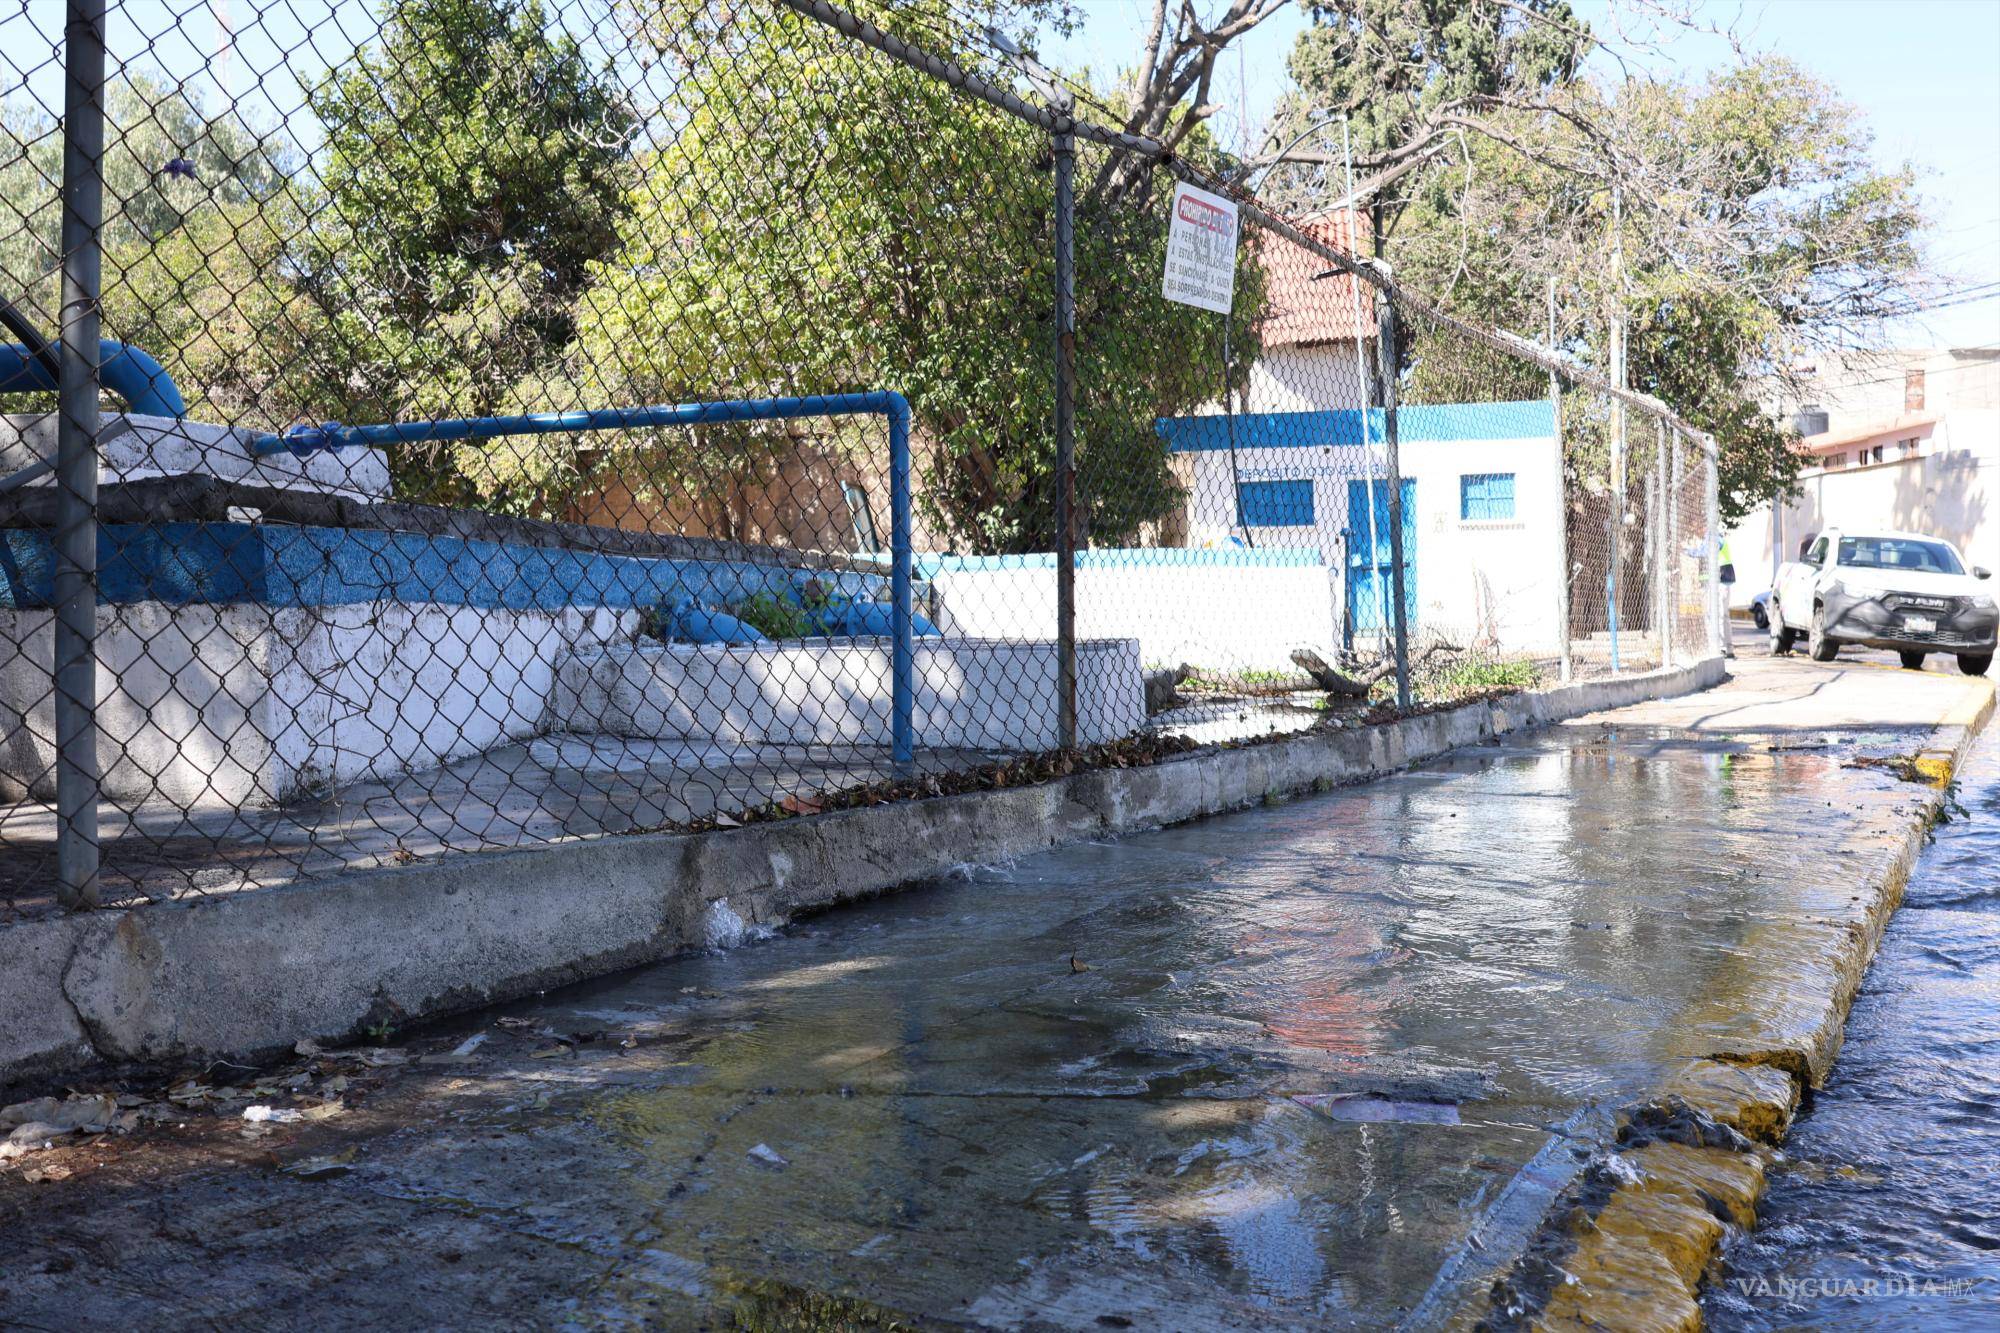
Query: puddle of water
{"points": [[1887, 1214]]}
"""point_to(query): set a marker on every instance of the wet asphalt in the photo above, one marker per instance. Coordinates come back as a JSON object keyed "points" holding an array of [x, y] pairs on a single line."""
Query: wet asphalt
{"points": [[1320, 1064]]}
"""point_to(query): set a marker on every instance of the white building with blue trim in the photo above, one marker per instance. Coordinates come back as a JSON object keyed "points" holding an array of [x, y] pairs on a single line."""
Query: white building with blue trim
{"points": [[1482, 499]]}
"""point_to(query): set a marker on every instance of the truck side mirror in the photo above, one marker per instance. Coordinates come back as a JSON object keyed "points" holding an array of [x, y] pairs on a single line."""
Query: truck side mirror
{"points": [[1981, 572]]}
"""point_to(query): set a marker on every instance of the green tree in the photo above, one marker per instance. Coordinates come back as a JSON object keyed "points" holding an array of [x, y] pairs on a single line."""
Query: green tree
{"points": [[1754, 225], [476, 164], [179, 184], [816, 218]]}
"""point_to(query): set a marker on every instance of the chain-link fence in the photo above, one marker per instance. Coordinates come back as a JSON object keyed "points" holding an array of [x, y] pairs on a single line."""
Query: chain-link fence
{"points": [[514, 422]]}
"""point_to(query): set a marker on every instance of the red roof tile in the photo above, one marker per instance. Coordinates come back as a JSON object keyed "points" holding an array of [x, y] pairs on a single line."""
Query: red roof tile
{"points": [[1302, 308]]}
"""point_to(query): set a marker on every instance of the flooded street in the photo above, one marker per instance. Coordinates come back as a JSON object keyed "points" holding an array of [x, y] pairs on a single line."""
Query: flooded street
{"points": [[1320, 1064], [1891, 1173]]}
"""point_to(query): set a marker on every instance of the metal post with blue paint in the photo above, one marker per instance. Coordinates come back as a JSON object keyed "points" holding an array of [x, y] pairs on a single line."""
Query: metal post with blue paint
{"points": [[886, 403]]}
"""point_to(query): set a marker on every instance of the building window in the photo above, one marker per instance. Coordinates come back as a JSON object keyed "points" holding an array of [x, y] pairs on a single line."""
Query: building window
{"points": [[1486, 497], [1873, 455], [1834, 461], [867, 537], [1275, 504], [1906, 448]]}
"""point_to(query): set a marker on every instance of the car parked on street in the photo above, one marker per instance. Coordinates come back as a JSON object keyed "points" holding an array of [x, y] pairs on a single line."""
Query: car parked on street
{"points": [[1902, 591]]}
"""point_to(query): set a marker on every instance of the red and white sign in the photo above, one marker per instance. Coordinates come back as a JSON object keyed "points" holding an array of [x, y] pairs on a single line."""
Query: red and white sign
{"points": [[1201, 250]]}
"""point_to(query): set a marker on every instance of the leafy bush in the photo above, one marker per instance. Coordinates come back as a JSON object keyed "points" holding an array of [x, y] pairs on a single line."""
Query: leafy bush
{"points": [[1469, 677], [773, 616]]}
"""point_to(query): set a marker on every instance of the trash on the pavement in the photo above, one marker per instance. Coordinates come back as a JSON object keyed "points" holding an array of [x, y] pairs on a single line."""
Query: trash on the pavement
{"points": [[764, 1153], [379, 1058], [321, 1168], [46, 1118], [277, 1115]]}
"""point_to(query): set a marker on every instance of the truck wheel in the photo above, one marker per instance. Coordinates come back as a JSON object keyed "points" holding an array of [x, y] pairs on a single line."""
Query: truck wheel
{"points": [[1912, 661], [1974, 664], [1818, 645], [1759, 615], [1782, 638]]}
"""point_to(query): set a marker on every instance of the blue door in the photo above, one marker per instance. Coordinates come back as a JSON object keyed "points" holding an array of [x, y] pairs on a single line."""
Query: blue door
{"points": [[1370, 579]]}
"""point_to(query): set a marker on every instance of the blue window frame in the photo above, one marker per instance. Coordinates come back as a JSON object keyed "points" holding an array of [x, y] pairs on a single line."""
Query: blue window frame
{"points": [[1486, 497], [1275, 504]]}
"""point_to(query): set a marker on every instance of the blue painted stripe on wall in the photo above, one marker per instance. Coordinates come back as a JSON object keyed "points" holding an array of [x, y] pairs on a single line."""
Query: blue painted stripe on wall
{"points": [[1432, 423], [277, 565], [929, 566]]}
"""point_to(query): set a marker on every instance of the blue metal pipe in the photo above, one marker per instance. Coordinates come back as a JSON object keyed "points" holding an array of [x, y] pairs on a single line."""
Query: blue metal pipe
{"points": [[128, 371], [878, 402]]}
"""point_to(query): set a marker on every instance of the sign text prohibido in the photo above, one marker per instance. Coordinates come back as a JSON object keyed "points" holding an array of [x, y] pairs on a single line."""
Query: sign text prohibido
{"points": [[1201, 250]]}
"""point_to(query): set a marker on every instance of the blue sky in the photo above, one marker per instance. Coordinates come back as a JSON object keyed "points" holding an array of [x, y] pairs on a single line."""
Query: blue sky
{"points": [[1925, 75]]}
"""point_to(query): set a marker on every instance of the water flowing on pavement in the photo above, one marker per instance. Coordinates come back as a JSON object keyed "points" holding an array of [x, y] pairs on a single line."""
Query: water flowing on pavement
{"points": [[1886, 1214]]}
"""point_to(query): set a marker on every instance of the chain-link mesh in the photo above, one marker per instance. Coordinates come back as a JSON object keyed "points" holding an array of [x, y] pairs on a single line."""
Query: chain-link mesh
{"points": [[404, 547]]}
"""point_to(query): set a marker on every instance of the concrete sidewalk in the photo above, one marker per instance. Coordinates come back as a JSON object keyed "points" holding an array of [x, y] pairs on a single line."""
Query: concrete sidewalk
{"points": [[1328, 1063]]}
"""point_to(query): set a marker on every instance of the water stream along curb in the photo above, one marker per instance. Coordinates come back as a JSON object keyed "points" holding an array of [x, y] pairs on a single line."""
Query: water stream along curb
{"points": [[1627, 1244]]}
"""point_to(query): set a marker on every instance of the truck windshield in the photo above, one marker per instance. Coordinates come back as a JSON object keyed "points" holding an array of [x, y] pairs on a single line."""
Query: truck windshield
{"points": [[1898, 553]]}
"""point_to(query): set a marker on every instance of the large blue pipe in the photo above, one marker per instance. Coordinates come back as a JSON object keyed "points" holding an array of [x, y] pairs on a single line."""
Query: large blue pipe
{"points": [[127, 371], [878, 402]]}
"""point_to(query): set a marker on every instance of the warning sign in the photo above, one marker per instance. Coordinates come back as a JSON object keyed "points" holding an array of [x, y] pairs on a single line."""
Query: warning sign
{"points": [[1201, 250]]}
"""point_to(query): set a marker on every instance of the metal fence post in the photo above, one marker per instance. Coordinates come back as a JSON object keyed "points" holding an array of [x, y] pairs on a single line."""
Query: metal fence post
{"points": [[1677, 482], [1065, 162], [1567, 666], [1662, 538], [75, 582], [1718, 609], [1386, 360]]}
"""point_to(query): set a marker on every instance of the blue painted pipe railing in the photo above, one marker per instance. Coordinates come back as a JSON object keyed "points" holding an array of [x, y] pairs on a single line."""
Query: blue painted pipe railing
{"points": [[127, 371], [879, 402]]}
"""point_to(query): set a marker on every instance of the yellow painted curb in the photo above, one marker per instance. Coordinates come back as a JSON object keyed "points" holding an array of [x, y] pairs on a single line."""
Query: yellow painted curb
{"points": [[1974, 708], [1970, 715], [1638, 1263], [1755, 1101], [1771, 1023]]}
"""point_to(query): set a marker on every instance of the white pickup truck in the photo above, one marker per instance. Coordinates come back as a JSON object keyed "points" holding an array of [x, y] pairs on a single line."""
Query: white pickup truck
{"points": [[1897, 590]]}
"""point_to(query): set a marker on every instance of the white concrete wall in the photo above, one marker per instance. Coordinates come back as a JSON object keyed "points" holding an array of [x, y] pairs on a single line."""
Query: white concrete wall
{"points": [[972, 693], [377, 689], [134, 447], [243, 705], [181, 704], [1303, 379], [1488, 584], [1223, 616]]}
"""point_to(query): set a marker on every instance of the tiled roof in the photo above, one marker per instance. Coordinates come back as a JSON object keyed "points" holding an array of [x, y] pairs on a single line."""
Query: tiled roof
{"points": [[1302, 308]]}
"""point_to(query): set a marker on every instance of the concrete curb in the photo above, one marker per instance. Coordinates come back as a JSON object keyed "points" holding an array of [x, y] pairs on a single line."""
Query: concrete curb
{"points": [[1635, 1255], [249, 974]]}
